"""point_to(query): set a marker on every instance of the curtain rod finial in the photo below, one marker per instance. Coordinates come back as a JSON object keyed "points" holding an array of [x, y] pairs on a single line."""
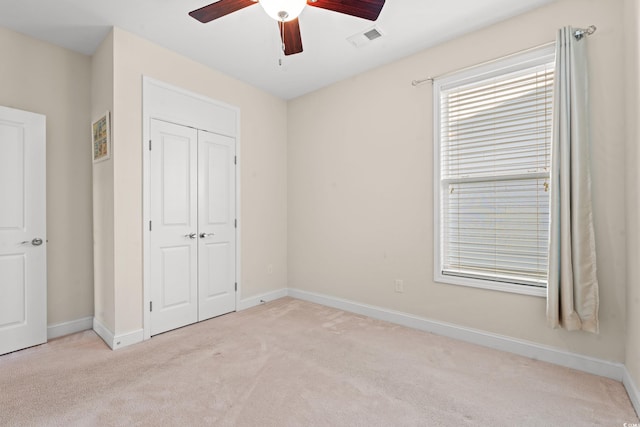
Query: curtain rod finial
{"points": [[581, 32]]}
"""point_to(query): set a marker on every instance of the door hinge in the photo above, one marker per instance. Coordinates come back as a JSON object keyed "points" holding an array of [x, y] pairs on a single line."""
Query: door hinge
{"points": [[150, 305], [149, 145], [235, 223], [235, 160], [236, 286], [149, 225]]}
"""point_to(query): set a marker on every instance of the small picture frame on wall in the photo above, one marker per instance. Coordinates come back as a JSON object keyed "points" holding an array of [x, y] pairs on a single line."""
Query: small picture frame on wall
{"points": [[101, 138]]}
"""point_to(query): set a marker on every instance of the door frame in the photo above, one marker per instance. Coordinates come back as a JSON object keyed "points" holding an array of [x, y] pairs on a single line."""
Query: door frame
{"points": [[169, 103]]}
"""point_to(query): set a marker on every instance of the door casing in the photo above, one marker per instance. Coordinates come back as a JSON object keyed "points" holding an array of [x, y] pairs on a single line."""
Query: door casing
{"points": [[169, 103]]}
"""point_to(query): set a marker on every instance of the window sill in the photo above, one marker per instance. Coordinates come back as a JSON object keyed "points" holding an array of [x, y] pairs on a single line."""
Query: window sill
{"points": [[491, 285]]}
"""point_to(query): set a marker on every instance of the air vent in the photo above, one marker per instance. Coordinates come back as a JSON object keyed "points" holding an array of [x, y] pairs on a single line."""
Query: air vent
{"points": [[373, 34], [366, 37]]}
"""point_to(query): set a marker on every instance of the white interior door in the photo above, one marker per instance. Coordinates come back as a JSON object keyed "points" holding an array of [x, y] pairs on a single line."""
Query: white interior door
{"points": [[23, 253], [216, 225], [192, 230], [173, 227]]}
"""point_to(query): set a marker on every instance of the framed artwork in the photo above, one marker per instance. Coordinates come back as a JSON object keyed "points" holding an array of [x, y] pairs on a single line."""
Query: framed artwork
{"points": [[101, 138]]}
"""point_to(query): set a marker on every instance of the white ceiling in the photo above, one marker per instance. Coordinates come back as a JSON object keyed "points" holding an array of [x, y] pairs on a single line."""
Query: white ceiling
{"points": [[246, 43]]}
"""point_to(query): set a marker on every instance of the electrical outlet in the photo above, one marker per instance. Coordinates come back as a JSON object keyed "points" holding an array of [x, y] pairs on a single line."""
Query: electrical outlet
{"points": [[399, 285], [270, 269]]}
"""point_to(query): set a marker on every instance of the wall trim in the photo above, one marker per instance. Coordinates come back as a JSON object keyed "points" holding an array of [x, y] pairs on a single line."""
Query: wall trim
{"points": [[499, 342], [103, 332], [257, 299], [116, 342], [632, 390], [71, 327], [130, 338]]}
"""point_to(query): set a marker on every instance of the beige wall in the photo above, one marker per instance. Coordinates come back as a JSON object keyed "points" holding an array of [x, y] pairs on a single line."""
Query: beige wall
{"points": [[361, 185], [101, 102], [46, 79], [632, 26], [262, 144]]}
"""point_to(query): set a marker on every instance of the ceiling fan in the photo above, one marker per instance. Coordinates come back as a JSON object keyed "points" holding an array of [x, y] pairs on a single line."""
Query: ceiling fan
{"points": [[287, 12]]}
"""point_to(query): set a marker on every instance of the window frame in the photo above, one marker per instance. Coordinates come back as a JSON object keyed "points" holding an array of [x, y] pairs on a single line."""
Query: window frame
{"points": [[538, 56]]}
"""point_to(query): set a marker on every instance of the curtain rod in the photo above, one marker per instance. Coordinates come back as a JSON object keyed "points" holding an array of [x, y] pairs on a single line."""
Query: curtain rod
{"points": [[579, 33]]}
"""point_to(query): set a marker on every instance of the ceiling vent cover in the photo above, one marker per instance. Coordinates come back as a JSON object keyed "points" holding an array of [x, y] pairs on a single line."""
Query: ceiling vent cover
{"points": [[361, 39], [373, 34]]}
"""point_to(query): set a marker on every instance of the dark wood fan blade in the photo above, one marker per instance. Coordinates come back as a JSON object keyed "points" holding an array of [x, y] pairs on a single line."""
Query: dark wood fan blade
{"points": [[219, 9], [291, 37], [366, 9]]}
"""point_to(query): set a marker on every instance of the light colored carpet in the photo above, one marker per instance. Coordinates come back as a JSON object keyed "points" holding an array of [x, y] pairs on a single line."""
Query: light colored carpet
{"points": [[293, 363]]}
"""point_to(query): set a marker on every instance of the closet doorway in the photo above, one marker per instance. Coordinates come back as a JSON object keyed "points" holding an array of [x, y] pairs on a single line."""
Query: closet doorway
{"points": [[191, 250], [192, 231]]}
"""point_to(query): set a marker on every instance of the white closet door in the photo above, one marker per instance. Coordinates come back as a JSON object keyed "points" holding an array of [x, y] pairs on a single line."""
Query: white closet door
{"points": [[23, 252], [216, 228], [174, 226]]}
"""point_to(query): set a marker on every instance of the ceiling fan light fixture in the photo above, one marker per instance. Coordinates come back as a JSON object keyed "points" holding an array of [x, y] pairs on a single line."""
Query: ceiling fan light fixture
{"points": [[283, 10]]}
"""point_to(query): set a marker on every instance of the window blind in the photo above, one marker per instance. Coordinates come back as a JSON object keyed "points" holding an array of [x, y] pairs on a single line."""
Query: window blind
{"points": [[495, 137]]}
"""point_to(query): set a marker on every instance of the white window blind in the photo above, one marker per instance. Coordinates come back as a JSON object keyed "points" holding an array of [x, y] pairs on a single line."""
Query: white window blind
{"points": [[494, 160]]}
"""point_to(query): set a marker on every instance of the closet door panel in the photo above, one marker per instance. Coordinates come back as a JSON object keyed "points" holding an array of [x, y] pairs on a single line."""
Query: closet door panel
{"points": [[216, 225], [174, 226]]}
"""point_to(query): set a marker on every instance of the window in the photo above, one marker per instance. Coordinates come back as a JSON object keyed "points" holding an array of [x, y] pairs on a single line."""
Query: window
{"points": [[492, 160]]}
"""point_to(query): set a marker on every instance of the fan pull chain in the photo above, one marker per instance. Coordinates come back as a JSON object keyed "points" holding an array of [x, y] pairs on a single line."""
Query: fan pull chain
{"points": [[283, 46]]}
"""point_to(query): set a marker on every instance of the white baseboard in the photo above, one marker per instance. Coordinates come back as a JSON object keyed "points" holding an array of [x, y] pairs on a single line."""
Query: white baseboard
{"points": [[103, 332], [632, 390], [499, 342], [262, 298], [67, 328], [116, 342], [125, 340]]}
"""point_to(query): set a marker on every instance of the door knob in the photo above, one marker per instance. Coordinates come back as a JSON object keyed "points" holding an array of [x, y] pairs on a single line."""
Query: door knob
{"points": [[35, 242], [191, 235], [203, 235]]}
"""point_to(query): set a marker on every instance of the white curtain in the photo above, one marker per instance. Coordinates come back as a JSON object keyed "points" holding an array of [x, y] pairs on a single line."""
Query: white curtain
{"points": [[572, 293]]}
